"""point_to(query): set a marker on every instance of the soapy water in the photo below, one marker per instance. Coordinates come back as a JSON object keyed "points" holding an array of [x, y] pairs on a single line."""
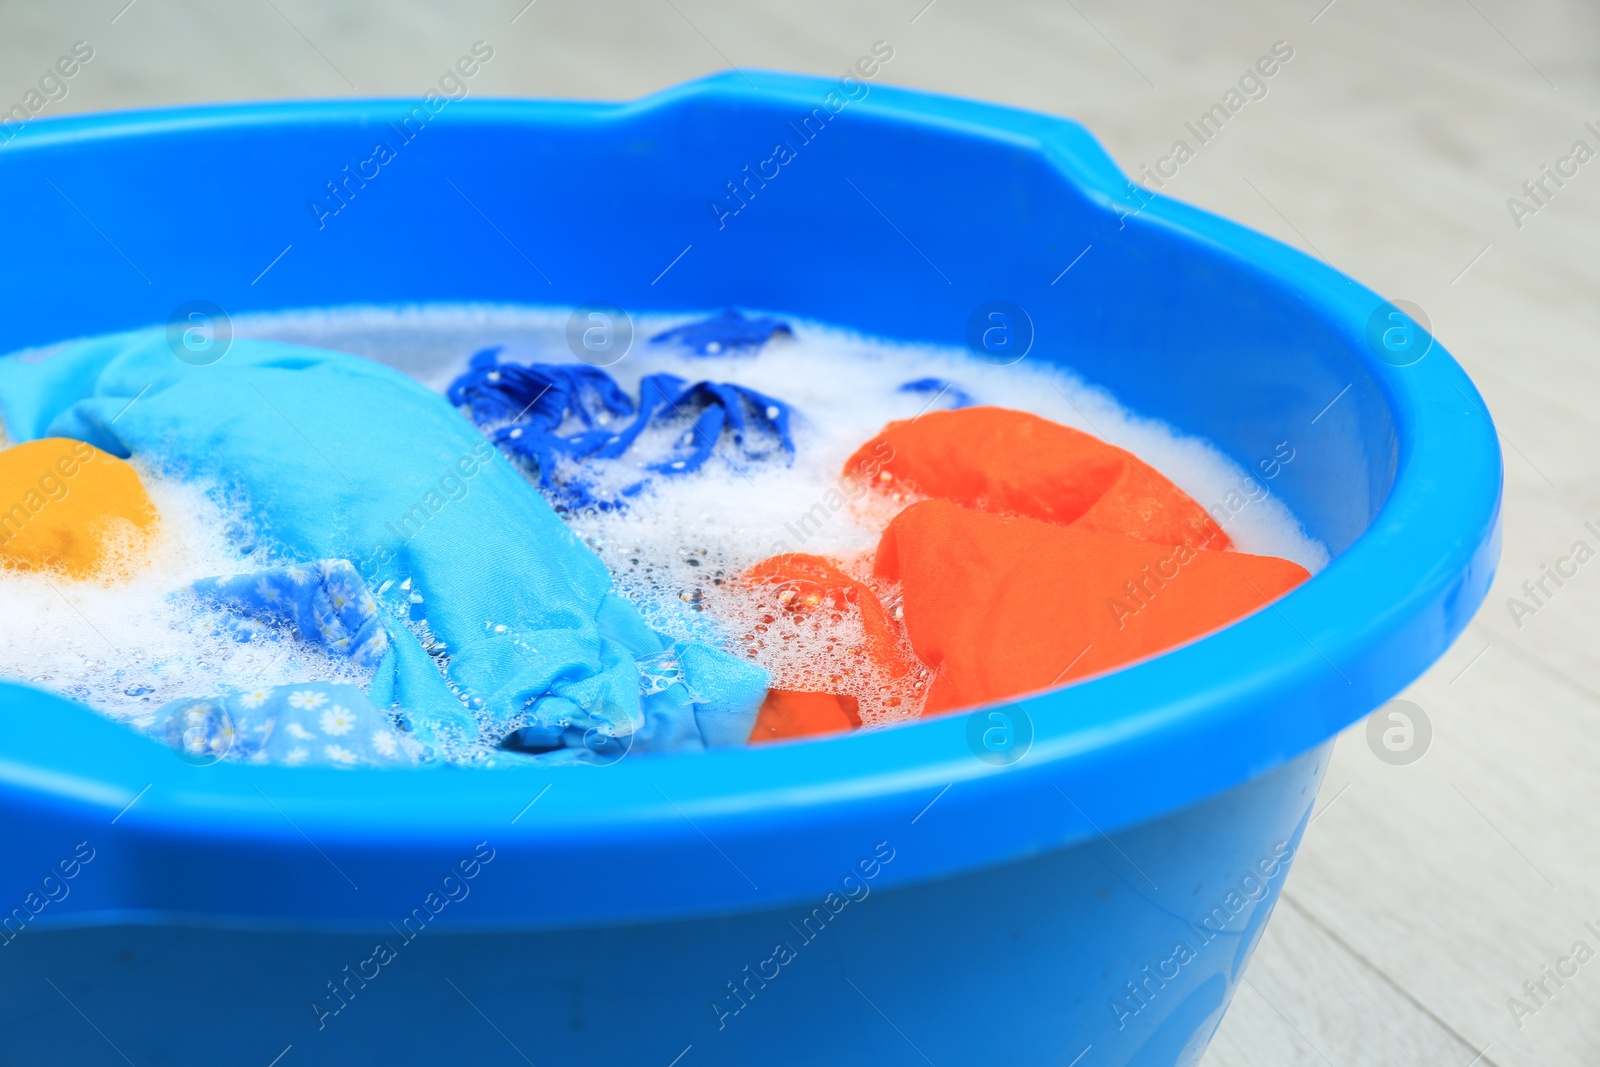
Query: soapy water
{"points": [[132, 641], [678, 549]]}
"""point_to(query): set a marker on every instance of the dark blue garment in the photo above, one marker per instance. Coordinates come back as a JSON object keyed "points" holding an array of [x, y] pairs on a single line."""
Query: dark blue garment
{"points": [[757, 424], [541, 394], [545, 414], [524, 409], [721, 334], [940, 388]]}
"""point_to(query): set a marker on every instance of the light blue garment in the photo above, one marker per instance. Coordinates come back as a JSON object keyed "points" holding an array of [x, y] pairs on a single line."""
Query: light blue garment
{"points": [[337, 457], [309, 724]]}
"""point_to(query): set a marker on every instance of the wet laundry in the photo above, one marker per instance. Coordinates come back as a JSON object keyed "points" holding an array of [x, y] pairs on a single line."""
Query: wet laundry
{"points": [[1016, 463], [725, 333], [564, 423], [71, 509], [327, 449], [1027, 554], [324, 603]]}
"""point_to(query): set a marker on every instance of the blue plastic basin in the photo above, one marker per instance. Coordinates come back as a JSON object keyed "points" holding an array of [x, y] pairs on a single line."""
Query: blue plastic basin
{"points": [[1103, 891]]}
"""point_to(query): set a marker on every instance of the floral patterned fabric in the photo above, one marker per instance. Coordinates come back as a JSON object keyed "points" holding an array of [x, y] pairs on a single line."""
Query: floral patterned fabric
{"points": [[325, 604], [310, 724]]}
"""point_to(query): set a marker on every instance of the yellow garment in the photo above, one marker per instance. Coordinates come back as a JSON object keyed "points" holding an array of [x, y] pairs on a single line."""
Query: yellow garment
{"points": [[66, 506]]}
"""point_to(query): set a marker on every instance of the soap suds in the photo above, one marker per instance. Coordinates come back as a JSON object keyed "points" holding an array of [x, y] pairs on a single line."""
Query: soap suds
{"points": [[127, 644], [678, 549]]}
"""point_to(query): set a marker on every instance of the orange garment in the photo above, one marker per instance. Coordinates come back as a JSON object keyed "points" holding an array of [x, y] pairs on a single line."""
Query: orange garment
{"points": [[1013, 463], [1041, 554], [1000, 605], [805, 582], [787, 713], [68, 507], [804, 586]]}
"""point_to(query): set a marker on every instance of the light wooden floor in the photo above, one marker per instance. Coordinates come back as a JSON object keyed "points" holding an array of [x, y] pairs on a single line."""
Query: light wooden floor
{"points": [[1427, 894]]}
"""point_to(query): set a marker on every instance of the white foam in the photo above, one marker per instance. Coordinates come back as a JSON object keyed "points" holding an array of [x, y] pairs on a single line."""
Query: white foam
{"points": [[127, 646]]}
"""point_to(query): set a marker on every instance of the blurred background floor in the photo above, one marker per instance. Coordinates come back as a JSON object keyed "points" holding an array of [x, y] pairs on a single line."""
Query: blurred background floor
{"points": [[1389, 145]]}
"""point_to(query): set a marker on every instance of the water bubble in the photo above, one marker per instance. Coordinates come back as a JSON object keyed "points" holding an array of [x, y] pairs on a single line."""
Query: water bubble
{"points": [[199, 731], [599, 333], [999, 332], [1398, 332], [1000, 736], [1399, 733], [199, 332]]}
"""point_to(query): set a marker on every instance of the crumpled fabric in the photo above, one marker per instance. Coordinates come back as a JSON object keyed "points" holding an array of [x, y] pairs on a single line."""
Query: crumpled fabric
{"points": [[308, 724], [799, 586], [723, 334], [324, 603], [544, 414], [1016, 463], [564, 422], [337, 457], [1028, 555], [757, 424], [790, 713], [1001, 605], [541, 395]]}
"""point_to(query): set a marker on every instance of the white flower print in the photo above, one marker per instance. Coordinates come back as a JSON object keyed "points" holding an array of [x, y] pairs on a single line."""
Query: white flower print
{"points": [[298, 732], [254, 698], [340, 595], [266, 591], [296, 756], [384, 744], [297, 574], [337, 721], [340, 755], [307, 699]]}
